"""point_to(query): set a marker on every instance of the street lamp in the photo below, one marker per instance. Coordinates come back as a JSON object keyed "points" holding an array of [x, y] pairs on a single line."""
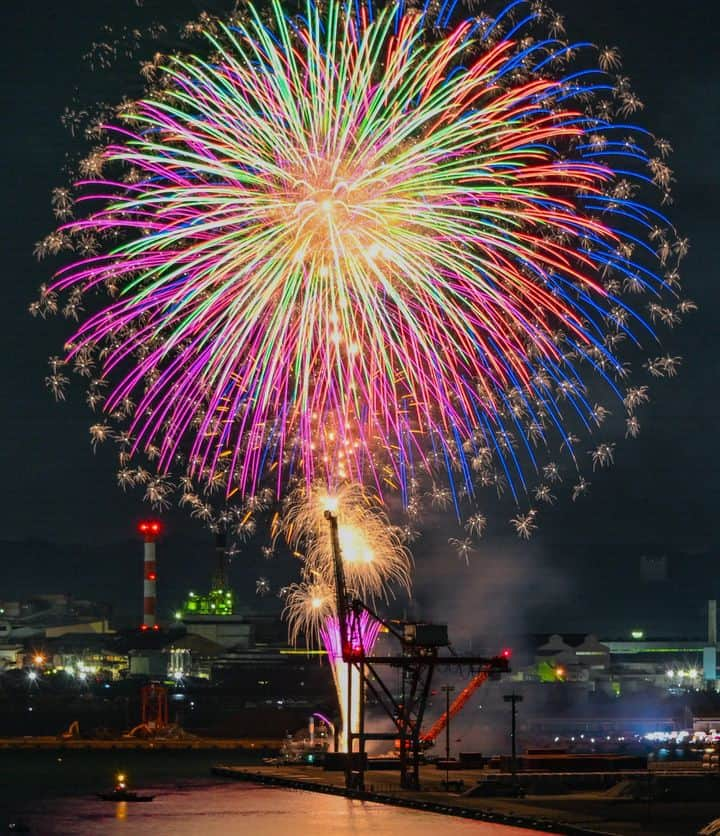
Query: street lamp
{"points": [[513, 699], [447, 689]]}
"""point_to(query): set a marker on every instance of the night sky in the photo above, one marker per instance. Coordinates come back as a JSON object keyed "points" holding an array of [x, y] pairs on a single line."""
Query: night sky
{"points": [[66, 526]]}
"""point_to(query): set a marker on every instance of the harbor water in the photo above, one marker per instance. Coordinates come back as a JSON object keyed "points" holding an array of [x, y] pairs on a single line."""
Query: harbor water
{"points": [[221, 809]]}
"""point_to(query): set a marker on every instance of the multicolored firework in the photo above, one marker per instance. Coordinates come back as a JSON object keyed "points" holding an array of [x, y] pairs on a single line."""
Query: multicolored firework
{"points": [[366, 247]]}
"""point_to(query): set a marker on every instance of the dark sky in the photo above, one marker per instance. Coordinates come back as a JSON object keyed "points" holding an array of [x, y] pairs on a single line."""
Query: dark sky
{"points": [[662, 495]]}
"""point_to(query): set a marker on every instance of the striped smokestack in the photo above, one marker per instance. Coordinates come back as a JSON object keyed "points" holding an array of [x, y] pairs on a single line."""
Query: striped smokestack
{"points": [[150, 529]]}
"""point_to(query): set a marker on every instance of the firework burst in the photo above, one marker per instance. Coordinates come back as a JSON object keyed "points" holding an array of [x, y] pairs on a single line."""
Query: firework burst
{"points": [[308, 606], [363, 247], [374, 558]]}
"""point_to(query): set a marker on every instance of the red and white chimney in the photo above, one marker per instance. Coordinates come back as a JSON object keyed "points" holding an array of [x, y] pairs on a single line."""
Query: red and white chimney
{"points": [[150, 530]]}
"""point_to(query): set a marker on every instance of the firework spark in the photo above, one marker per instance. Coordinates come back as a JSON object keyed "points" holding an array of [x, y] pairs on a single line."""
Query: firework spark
{"points": [[367, 632], [374, 558], [354, 246], [308, 606]]}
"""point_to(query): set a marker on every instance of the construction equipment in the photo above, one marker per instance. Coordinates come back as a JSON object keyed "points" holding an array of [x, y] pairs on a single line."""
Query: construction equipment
{"points": [[431, 735], [73, 731], [154, 706], [419, 656]]}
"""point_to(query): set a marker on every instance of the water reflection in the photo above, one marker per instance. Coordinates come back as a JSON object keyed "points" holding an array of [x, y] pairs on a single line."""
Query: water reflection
{"points": [[224, 809]]}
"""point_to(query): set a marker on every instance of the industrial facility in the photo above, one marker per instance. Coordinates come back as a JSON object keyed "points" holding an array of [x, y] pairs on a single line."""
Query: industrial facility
{"points": [[228, 670]]}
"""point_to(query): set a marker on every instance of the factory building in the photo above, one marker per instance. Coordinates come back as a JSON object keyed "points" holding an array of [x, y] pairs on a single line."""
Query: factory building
{"points": [[627, 665]]}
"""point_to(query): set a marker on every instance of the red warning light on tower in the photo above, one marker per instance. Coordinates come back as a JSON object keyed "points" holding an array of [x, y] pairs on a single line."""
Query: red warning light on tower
{"points": [[150, 529]]}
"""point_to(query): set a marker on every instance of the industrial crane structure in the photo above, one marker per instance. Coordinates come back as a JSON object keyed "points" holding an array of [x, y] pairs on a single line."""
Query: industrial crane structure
{"points": [[418, 657], [429, 737]]}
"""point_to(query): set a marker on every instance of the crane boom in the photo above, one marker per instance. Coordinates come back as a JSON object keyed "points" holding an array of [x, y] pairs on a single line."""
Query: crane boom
{"points": [[430, 736], [340, 590]]}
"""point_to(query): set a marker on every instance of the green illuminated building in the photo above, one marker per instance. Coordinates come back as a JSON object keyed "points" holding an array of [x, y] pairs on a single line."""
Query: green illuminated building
{"points": [[220, 600], [216, 602]]}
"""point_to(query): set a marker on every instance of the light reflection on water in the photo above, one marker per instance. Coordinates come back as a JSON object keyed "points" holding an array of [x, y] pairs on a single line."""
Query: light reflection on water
{"points": [[225, 809]]}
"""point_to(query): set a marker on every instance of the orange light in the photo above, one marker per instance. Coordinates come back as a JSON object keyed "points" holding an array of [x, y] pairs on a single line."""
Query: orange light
{"points": [[39, 659]]}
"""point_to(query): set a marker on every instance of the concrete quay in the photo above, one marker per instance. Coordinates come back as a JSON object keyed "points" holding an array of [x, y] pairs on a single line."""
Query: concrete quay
{"points": [[610, 812]]}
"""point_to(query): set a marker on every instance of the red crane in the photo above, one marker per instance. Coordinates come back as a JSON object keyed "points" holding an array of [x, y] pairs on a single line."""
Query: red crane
{"points": [[154, 706], [429, 737]]}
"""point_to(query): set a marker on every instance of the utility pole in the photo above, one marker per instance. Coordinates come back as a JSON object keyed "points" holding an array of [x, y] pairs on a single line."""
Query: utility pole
{"points": [[513, 699], [448, 689]]}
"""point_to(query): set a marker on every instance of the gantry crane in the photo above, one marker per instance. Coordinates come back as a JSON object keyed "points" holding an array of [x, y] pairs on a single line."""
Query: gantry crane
{"points": [[418, 658]]}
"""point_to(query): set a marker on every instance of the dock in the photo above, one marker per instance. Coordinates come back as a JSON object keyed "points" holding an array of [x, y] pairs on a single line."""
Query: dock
{"points": [[597, 813]]}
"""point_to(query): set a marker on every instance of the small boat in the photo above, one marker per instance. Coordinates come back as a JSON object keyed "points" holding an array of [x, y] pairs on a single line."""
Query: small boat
{"points": [[122, 793]]}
